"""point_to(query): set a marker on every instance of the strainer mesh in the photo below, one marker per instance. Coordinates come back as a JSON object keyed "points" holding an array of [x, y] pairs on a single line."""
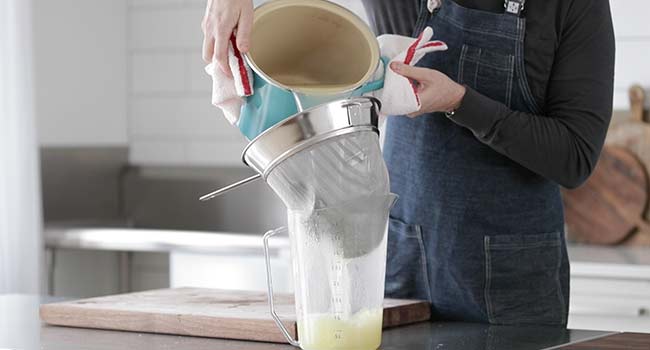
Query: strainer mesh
{"points": [[332, 172]]}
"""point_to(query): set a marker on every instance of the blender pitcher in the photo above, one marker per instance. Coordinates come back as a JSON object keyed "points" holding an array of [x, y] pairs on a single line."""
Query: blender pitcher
{"points": [[339, 262]]}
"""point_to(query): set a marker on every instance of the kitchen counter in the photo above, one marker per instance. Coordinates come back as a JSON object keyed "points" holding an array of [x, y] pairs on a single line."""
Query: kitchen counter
{"points": [[610, 286], [21, 328], [610, 261], [583, 257], [152, 240], [623, 255]]}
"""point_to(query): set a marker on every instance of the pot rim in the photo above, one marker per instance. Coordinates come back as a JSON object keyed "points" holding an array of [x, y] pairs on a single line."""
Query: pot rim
{"points": [[268, 7]]}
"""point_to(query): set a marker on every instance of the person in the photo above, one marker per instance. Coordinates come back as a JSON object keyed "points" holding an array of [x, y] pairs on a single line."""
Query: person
{"points": [[517, 107]]}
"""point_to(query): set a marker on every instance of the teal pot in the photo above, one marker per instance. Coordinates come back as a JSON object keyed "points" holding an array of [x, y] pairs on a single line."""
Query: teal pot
{"points": [[305, 53]]}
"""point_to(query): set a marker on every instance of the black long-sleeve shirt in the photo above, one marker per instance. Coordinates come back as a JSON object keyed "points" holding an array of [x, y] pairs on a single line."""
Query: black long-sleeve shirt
{"points": [[569, 58]]}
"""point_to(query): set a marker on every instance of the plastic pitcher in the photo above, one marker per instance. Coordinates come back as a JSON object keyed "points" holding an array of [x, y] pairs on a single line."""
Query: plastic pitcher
{"points": [[339, 262]]}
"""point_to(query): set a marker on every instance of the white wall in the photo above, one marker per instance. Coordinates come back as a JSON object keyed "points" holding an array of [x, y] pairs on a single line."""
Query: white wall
{"points": [[80, 72], [171, 120], [632, 30]]}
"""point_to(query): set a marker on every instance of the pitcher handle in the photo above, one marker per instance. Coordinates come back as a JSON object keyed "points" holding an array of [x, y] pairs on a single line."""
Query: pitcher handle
{"points": [[376, 84], [269, 285]]}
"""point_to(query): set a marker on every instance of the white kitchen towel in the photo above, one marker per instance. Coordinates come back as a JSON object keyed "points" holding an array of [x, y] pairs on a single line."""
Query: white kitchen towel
{"points": [[399, 95], [228, 93]]}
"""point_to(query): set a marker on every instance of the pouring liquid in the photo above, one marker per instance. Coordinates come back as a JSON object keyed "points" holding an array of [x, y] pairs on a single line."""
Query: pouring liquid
{"points": [[361, 331]]}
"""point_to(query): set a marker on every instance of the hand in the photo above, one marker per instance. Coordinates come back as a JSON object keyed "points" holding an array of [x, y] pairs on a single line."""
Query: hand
{"points": [[437, 92], [222, 18]]}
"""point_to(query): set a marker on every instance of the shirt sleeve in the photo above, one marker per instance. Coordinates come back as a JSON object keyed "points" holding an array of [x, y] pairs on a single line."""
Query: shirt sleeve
{"points": [[392, 17], [564, 144]]}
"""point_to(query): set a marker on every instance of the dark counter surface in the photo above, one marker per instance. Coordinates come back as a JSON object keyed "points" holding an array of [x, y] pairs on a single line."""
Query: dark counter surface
{"points": [[20, 328], [429, 336]]}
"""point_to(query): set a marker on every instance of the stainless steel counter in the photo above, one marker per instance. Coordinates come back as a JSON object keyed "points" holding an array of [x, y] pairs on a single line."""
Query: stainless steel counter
{"points": [[20, 328], [591, 261], [127, 241], [586, 261], [151, 240]]}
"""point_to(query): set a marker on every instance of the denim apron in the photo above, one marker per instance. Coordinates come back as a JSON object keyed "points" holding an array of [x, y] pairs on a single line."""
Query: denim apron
{"points": [[475, 233]]}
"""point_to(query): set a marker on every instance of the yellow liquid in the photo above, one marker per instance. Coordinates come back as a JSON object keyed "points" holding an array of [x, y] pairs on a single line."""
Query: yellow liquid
{"points": [[362, 331]]}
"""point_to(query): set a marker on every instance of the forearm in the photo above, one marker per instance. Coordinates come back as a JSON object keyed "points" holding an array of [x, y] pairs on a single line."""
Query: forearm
{"points": [[563, 146]]}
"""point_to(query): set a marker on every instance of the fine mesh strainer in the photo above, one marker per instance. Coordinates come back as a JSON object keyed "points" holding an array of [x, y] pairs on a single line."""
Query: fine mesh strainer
{"points": [[331, 172], [322, 156]]}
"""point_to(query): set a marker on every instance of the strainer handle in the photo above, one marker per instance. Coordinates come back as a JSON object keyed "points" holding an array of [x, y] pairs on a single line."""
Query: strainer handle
{"points": [[207, 197], [269, 286]]}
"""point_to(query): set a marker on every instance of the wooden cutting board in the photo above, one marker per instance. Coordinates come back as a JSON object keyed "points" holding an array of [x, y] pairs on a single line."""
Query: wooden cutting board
{"points": [[202, 312], [610, 205], [634, 134]]}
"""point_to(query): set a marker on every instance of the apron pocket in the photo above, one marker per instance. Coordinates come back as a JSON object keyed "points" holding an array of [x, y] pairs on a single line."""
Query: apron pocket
{"points": [[406, 265], [487, 72], [522, 284]]}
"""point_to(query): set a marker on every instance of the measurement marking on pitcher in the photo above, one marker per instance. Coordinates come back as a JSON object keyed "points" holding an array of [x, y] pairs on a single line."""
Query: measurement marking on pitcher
{"points": [[338, 296]]}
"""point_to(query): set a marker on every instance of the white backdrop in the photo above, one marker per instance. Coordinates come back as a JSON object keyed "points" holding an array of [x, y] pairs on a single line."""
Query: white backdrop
{"points": [[20, 204]]}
